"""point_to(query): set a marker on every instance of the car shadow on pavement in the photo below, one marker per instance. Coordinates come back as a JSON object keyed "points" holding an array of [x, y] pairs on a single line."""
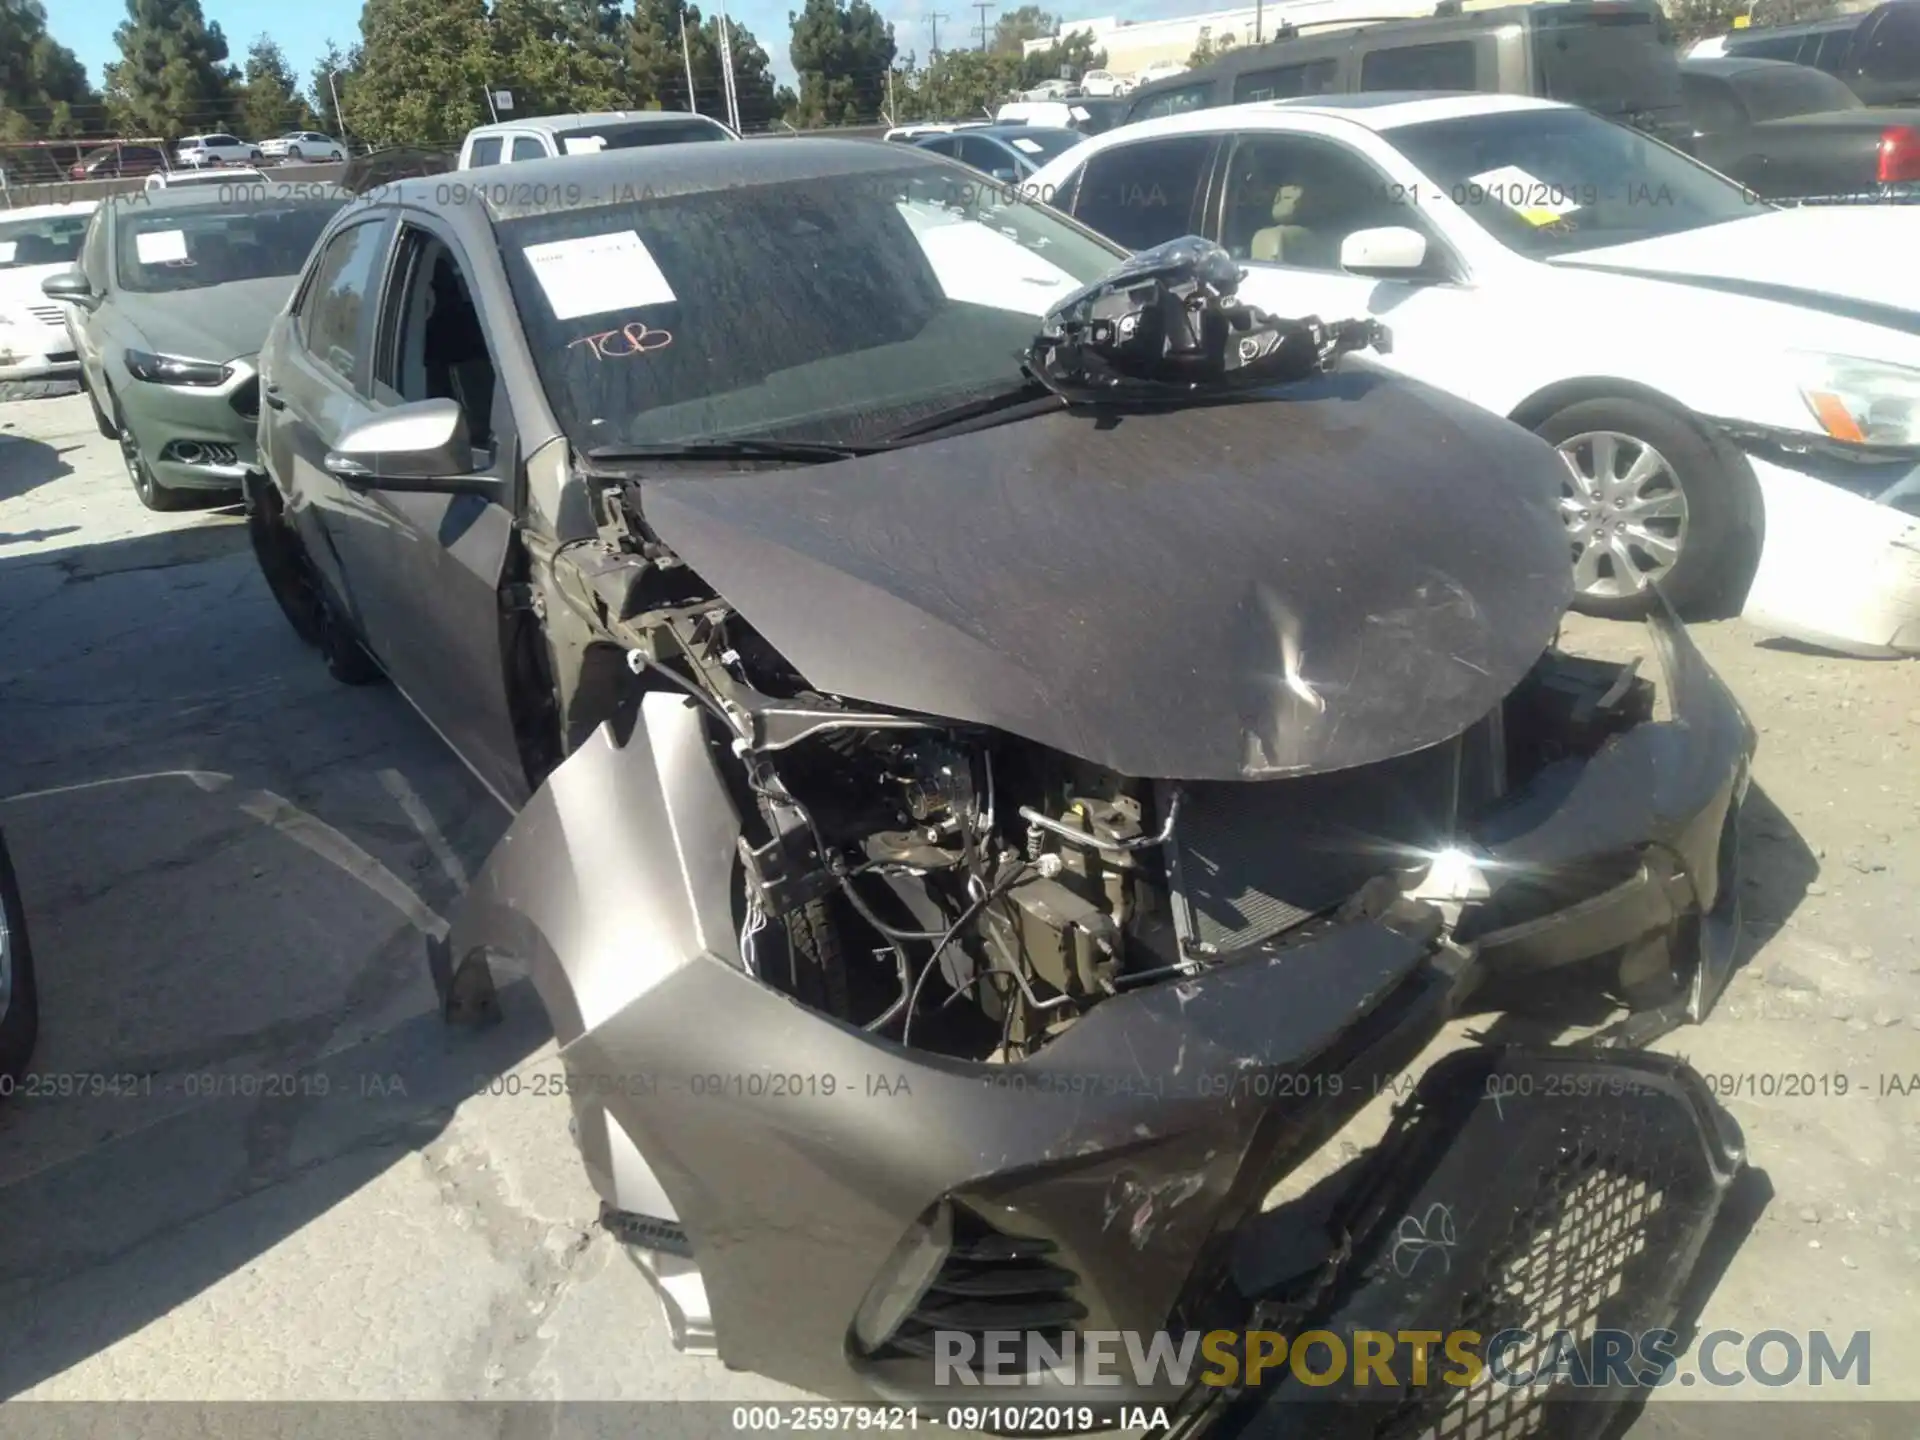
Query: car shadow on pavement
{"points": [[230, 866], [28, 464]]}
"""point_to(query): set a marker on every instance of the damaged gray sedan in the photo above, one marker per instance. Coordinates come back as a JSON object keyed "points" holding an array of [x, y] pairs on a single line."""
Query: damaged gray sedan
{"points": [[1011, 748]]}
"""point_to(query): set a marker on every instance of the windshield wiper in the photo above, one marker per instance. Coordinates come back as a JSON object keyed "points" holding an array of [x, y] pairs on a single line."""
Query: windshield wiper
{"points": [[740, 447], [1016, 402]]}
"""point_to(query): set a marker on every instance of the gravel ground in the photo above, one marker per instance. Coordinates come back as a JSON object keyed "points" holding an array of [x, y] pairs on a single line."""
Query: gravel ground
{"points": [[229, 862]]}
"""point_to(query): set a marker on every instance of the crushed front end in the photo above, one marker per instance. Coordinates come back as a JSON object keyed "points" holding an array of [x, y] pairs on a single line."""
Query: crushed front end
{"points": [[821, 1189]]}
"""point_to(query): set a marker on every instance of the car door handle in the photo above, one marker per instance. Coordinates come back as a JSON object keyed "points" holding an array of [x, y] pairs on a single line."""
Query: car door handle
{"points": [[271, 394]]}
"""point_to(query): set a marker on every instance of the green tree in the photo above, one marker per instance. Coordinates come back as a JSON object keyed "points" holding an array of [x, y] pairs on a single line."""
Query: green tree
{"points": [[554, 57], [753, 86], [423, 73], [1016, 27], [964, 84], [656, 70], [842, 52], [1069, 57], [44, 93], [271, 103], [1692, 20], [172, 78], [333, 74]]}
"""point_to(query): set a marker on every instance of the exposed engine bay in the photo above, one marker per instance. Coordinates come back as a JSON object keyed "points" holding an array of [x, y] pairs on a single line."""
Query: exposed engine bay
{"points": [[974, 893]]}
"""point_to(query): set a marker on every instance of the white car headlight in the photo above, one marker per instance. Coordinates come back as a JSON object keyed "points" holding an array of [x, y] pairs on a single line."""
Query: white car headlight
{"points": [[1863, 402]]}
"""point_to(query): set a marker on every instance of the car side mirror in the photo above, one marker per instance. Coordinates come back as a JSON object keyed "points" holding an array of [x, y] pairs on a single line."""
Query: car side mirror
{"points": [[70, 285], [1003, 172], [1390, 251], [424, 446]]}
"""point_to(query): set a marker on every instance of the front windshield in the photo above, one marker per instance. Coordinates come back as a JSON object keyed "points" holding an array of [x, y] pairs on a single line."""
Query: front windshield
{"points": [[1556, 182], [829, 309], [167, 248], [49, 240]]}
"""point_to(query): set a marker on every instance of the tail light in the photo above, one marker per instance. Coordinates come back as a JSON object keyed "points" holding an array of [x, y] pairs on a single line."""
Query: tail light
{"points": [[1899, 155]]}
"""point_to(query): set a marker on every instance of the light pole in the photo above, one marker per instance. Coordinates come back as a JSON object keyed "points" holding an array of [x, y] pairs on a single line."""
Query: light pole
{"points": [[338, 114]]}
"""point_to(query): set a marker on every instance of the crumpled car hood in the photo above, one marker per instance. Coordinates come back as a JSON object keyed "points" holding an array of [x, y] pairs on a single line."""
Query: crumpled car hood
{"points": [[1348, 569]]}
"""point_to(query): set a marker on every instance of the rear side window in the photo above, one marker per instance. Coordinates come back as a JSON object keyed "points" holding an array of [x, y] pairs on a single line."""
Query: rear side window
{"points": [[1142, 195], [1316, 77], [1893, 51], [1614, 62], [336, 301], [486, 151], [1831, 53], [1767, 47], [525, 147], [1172, 102], [1445, 66]]}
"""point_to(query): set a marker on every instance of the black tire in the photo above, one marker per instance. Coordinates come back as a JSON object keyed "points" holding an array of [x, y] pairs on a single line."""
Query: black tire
{"points": [[146, 485], [818, 969], [294, 154], [1718, 502], [102, 421], [283, 563], [20, 1001]]}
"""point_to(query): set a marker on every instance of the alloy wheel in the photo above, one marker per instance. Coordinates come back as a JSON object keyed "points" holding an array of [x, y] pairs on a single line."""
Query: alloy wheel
{"points": [[1625, 512]]}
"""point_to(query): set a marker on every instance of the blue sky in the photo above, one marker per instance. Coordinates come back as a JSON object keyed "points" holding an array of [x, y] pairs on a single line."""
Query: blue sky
{"points": [[303, 29]]}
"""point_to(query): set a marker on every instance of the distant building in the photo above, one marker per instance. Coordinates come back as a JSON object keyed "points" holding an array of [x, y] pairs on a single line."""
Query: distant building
{"points": [[1133, 45]]}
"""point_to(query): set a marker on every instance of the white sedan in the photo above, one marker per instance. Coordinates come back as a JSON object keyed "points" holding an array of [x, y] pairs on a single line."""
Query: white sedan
{"points": [[35, 242], [303, 145], [1735, 388]]}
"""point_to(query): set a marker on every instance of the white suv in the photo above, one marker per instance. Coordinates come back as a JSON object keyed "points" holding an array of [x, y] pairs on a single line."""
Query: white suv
{"points": [[197, 150]]}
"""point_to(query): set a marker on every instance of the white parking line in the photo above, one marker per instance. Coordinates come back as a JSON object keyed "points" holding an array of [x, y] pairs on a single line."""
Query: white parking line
{"points": [[329, 844], [208, 780], [409, 800]]}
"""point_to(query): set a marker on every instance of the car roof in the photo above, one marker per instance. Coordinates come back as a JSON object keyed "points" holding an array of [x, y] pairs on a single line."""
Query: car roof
{"points": [[609, 177], [1727, 66], [560, 124], [1376, 110], [1013, 130], [205, 197], [44, 212]]}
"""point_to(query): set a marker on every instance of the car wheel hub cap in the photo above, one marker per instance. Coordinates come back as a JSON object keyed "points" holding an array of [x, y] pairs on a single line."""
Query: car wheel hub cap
{"points": [[130, 453], [1624, 510]]}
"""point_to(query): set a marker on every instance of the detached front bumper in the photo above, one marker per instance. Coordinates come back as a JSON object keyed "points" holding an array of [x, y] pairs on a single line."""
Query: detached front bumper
{"points": [[823, 1205], [1630, 852]]}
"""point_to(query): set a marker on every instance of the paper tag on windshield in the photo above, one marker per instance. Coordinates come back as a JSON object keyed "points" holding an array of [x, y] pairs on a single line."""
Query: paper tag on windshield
{"points": [[7, 247], [597, 274], [1028, 146], [161, 247], [582, 144], [1079, 112], [1533, 200]]}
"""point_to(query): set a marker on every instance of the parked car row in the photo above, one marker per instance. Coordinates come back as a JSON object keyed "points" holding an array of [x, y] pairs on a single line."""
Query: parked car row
{"points": [[200, 152]]}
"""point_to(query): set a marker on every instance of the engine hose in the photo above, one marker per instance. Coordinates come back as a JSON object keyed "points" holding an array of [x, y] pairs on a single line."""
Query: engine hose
{"points": [[966, 918]]}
